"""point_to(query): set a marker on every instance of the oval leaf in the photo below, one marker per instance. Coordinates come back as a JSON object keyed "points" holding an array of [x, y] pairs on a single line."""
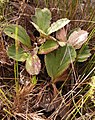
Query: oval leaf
{"points": [[18, 32], [42, 19], [83, 54], [19, 56], [78, 38], [33, 65], [48, 46], [57, 25], [59, 60]]}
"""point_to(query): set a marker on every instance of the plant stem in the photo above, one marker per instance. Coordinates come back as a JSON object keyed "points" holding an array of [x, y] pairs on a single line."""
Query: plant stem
{"points": [[16, 63]]}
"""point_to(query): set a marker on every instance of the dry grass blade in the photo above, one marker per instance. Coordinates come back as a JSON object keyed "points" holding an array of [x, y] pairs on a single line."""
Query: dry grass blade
{"points": [[19, 99], [32, 116]]}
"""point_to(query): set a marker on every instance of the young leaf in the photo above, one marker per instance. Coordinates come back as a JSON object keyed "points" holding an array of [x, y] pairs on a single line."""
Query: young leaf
{"points": [[22, 36], [42, 19], [33, 64], [78, 38], [57, 25], [84, 53], [59, 60], [61, 35], [48, 46], [19, 56]]}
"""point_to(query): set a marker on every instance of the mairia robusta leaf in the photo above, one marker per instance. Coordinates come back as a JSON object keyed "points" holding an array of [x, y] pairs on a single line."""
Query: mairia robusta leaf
{"points": [[33, 64], [18, 55], [41, 19], [57, 25], [59, 60], [48, 46], [19, 33], [83, 53], [78, 38]]}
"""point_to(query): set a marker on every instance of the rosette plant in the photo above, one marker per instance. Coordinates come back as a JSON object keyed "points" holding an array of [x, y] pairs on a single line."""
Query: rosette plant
{"points": [[59, 51]]}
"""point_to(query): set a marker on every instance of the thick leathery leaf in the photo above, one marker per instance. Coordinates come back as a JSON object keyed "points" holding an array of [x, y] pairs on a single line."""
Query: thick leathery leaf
{"points": [[57, 25], [42, 18], [38, 29], [18, 32], [19, 56], [33, 64], [84, 53], [59, 60], [78, 38], [48, 46]]}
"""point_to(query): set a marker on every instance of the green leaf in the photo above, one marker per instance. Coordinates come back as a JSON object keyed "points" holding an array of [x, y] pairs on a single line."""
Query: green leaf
{"points": [[42, 19], [33, 64], [59, 60], [48, 46], [19, 33], [38, 29], [19, 56], [83, 54], [57, 25]]}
